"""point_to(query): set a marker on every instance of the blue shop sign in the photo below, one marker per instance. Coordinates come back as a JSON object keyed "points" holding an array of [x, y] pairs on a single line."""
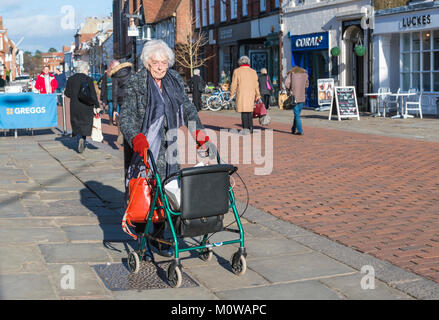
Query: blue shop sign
{"points": [[312, 41], [28, 110]]}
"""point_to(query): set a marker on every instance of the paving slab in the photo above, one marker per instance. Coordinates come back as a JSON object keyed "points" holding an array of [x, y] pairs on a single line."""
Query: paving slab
{"points": [[31, 235], [307, 290], [102, 232], [85, 282], [26, 287], [298, 267], [21, 259], [74, 253], [350, 287]]}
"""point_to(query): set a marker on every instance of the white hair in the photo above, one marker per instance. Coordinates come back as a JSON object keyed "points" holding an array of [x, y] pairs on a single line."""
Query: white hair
{"points": [[197, 72], [159, 49], [82, 67], [244, 60]]}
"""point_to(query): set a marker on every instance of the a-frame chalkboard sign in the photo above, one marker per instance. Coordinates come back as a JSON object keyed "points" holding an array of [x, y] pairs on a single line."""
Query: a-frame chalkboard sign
{"points": [[345, 102]]}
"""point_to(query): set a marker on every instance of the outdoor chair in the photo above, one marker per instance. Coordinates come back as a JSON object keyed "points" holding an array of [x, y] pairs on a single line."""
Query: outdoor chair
{"points": [[413, 103], [390, 101]]}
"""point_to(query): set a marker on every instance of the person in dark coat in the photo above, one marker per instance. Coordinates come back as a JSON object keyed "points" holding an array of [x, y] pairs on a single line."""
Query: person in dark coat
{"points": [[197, 87], [107, 94], [119, 73], [155, 107], [81, 115], [265, 87], [62, 81]]}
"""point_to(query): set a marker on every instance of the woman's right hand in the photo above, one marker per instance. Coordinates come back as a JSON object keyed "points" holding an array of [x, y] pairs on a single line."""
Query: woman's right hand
{"points": [[140, 144]]}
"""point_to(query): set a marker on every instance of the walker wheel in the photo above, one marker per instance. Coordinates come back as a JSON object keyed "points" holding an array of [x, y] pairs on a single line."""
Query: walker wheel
{"points": [[206, 254], [133, 262], [174, 275], [238, 263]]}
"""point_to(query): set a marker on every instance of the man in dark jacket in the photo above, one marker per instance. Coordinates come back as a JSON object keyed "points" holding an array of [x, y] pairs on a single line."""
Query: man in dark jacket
{"points": [[197, 85], [62, 81]]}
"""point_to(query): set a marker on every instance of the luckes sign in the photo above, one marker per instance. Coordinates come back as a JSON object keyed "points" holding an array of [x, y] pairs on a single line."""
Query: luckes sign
{"points": [[415, 21]]}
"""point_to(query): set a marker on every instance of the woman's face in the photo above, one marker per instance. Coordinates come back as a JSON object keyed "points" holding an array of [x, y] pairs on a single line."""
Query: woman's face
{"points": [[158, 67]]}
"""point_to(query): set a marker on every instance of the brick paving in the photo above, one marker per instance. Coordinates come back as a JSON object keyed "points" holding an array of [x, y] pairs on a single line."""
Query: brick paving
{"points": [[373, 193], [376, 194]]}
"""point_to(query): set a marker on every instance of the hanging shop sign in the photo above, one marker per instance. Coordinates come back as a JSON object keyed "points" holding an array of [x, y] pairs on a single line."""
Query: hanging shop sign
{"points": [[313, 41]]}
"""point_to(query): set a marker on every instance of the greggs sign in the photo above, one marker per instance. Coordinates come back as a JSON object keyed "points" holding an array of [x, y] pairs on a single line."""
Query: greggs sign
{"points": [[28, 110]]}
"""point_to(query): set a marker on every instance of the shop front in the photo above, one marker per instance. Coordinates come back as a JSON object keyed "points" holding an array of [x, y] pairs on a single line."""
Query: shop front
{"points": [[406, 47], [310, 51]]}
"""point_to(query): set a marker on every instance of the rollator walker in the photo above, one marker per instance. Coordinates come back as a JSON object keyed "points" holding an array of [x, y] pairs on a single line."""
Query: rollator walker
{"points": [[206, 196]]}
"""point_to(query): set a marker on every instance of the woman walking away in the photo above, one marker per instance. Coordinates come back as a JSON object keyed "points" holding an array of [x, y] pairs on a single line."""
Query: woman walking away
{"points": [[155, 105], [296, 83], [265, 87], [81, 115], [246, 86]]}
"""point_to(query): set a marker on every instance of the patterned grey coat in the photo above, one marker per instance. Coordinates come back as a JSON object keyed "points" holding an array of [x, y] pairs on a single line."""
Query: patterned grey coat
{"points": [[135, 105]]}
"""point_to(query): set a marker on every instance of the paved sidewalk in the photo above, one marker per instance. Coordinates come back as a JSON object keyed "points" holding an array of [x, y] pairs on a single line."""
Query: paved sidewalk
{"points": [[60, 208]]}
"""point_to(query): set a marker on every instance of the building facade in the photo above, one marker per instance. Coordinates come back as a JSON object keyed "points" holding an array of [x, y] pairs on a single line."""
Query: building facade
{"points": [[312, 29], [153, 19], [406, 50], [236, 28], [53, 60]]}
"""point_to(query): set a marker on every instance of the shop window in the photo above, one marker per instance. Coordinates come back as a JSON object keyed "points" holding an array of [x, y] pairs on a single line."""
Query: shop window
{"points": [[420, 60], [426, 40], [436, 40], [436, 81], [276, 4], [406, 42]]}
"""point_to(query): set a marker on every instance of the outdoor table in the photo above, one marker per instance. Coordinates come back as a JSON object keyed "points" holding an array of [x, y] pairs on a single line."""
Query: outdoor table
{"points": [[402, 95], [383, 94]]}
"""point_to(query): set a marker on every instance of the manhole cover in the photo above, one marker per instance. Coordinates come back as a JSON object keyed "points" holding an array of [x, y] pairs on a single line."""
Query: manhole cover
{"points": [[117, 277]]}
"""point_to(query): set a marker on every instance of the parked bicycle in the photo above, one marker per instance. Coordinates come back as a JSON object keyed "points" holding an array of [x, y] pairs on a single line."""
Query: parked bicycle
{"points": [[220, 99]]}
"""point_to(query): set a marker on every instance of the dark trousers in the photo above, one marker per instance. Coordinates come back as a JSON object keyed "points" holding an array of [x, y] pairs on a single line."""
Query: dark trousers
{"points": [[247, 120], [266, 99]]}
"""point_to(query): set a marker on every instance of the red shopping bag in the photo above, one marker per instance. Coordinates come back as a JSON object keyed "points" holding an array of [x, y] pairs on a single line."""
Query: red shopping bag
{"points": [[259, 110]]}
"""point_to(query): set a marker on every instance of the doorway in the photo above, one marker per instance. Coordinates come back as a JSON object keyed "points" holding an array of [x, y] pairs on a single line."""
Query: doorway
{"points": [[354, 71]]}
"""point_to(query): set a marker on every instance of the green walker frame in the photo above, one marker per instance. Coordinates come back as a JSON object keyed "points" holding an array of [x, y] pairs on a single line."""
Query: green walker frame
{"points": [[174, 274]]}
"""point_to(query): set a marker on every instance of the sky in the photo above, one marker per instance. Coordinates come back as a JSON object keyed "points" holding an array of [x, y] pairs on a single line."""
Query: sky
{"points": [[45, 24]]}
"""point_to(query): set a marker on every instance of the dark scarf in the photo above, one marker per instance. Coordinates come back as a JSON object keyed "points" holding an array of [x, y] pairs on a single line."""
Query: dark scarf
{"points": [[164, 112]]}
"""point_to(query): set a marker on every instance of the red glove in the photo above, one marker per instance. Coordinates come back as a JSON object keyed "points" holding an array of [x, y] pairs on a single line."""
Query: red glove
{"points": [[200, 138], [140, 144]]}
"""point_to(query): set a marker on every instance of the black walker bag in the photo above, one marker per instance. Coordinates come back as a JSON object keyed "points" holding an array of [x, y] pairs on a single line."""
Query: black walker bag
{"points": [[204, 199]]}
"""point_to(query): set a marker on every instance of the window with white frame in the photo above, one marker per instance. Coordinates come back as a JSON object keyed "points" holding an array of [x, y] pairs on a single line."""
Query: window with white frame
{"points": [[223, 10], [262, 6], [211, 11], [244, 8], [233, 9], [420, 61], [197, 13], [1, 42], [204, 12]]}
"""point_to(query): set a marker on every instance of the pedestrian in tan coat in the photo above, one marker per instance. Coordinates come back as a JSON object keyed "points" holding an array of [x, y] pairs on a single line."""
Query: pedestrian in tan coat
{"points": [[246, 86], [296, 83]]}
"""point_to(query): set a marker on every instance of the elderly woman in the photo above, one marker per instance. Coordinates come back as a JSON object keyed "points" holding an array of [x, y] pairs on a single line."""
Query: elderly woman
{"points": [[155, 104], [246, 86]]}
